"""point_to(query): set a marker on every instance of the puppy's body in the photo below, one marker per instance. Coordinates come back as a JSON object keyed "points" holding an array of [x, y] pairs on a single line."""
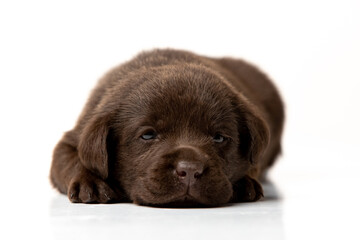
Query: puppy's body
{"points": [[171, 127]]}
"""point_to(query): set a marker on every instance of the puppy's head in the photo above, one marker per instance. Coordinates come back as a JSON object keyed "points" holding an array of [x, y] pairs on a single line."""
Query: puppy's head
{"points": [[174, 136]]}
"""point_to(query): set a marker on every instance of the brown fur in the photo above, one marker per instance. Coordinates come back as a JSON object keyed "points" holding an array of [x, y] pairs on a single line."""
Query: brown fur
{"points": [[186, 100]]}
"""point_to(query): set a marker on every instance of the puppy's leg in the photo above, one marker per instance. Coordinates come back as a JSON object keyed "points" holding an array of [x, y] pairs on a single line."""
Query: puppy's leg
{"points": [[247, 189], [70, 177]]}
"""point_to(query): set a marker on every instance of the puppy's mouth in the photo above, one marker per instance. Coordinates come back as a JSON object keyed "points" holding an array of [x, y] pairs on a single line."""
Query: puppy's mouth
{"points": [[160, 190], [184, 197]]}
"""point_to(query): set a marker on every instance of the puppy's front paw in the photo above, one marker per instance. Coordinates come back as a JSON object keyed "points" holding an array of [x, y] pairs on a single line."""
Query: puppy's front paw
{"points": [[88, 188], [247, 189]]}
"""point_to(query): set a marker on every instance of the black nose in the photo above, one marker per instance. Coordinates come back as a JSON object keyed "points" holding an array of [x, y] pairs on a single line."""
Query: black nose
{"points": [[189, 172]]}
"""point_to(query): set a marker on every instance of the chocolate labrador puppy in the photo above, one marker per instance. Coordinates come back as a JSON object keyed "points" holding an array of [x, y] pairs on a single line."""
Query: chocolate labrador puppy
{"points": [[172, 128]]}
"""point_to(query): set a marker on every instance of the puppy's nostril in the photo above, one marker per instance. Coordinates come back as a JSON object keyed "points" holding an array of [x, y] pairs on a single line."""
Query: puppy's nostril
{"points": [[181, 173], [197, 175]]}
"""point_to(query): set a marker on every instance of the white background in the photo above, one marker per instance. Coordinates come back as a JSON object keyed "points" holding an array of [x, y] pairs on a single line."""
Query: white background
{"points": [[53, 52]]}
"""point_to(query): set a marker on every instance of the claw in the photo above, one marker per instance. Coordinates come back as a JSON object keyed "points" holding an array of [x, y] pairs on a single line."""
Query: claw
{"points": [[108, 198]]}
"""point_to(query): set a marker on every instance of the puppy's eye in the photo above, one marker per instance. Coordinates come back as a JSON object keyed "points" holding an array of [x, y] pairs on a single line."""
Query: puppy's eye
{"points": [[218, 138], [149, 135]]}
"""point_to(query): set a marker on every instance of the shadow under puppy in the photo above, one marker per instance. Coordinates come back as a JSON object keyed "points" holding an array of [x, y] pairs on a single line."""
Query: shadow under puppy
{"points": [[172, 128]]}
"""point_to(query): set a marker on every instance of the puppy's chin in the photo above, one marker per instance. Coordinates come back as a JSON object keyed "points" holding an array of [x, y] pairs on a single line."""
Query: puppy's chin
{"points": [[180, 196]]}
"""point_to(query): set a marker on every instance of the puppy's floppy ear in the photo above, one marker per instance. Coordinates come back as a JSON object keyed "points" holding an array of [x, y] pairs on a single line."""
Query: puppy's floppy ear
{"points": [[254, 133], [92, 146]]}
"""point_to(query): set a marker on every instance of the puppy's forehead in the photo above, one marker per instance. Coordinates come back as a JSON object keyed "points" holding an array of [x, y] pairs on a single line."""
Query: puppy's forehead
{"points": [[190, 98]]}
